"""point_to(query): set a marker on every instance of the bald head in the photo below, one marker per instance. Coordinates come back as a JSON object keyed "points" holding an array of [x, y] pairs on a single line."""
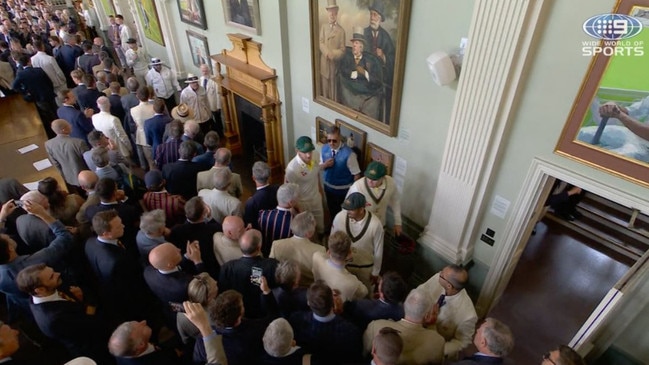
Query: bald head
{"points": [[233, 227], [35, 197], [250, 243], [87, 180], [61, 126], [165, 256]]}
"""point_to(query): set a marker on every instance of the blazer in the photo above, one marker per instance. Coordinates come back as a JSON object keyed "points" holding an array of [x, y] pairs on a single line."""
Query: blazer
{"points": [[51, 68], [203, 233], [420, 345], [154, 129], [235, 275], [181, 178], [130, 216], [81, 125], [67, 59], [274, 224], [300, 250], [66, 153], [34, 83], [263, 199], [205, 180], [168, 287], [87, 98], [363, 311], [116, 107], [336, 340]]}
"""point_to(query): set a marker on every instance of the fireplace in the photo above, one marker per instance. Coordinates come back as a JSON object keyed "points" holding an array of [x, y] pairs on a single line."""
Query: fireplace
{"points": [[253, 136]]}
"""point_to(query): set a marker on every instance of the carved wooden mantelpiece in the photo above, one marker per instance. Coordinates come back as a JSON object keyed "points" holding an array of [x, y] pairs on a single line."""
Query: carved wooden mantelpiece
{"points": [[247, 76]]}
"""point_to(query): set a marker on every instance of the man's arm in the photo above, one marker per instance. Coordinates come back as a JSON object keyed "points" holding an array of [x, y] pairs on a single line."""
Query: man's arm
{"points": [[463, 336], [395, 206], [213, 343], [378, 251], [52, 254], [352, 165]]}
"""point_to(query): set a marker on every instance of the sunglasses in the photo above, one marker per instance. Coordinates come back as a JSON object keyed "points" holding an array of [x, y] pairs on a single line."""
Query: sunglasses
{"points": [[332, 140]]}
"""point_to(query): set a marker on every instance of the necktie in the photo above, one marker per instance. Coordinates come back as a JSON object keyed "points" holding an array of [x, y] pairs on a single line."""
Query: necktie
{"points": [[205, 83], [333, 153], [441, 301]]}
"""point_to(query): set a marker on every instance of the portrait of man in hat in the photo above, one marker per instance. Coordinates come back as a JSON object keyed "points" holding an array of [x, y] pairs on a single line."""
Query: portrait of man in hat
{"points": [[332, 49]]}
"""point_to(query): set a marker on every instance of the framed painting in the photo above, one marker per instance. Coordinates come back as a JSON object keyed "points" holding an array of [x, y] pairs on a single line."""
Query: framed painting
{"points": [[199, 49], [321, 126], [358, 50], [243, 14], [108, 6], [192, 12], [148, 14], [354, 138], [608, 127], [376, 153]]}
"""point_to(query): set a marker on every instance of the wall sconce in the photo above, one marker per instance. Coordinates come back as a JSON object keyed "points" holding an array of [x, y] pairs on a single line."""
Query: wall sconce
{"points": [[444, 68]]}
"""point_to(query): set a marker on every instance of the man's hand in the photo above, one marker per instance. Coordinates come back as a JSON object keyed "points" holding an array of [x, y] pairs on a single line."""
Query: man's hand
{"points": [[120, 195], [264, 286], [77, 293], [574, 190], [72, 230], [338, 302], [431, 317], [380, 54], [611, 110], [89, 112], [38, 210], [197, 315], [397, 230], [7, 209], [193, 252], [360, 70], [329, 163]]}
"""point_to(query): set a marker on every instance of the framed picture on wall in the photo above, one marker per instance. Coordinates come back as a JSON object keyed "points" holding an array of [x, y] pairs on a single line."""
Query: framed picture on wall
{"points": [[358, 62], [608, 125], [376, 153], [192, 12], [243, 14], [354, 138], [321, 126], [148, 14], [199, 49], [109, 7]]}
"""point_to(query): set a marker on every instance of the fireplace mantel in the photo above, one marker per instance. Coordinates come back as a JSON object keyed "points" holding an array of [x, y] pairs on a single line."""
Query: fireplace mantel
{"points": [[246, 75]]}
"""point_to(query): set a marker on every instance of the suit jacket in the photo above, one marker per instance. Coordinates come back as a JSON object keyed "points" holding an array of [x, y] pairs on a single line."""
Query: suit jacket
{"points": [[338, 278], [87, 61], [301, 251], [274, 224], [336, 340], [167, 153], [168, 287], [154, 129], [81, 125], [221, 203], [87, 98], [205, 180], [51, 68], [66, 153], [482, 359], [130, 216], [128, 101], [34, 232], [263, 199], [363, 311], [68, 323], [35, 83], [420, 345], [67, 58], [181, 178], [225, 249], [141, 113], [112, 128], [116, 107], [203, 233], [235, 275]]}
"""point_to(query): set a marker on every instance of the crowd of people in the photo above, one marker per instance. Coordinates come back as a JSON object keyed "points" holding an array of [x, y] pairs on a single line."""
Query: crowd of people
{"points": [[148, 255]]}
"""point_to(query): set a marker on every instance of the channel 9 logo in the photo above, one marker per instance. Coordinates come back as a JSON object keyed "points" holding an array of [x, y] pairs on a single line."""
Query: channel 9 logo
{"points": [[613, 32]]}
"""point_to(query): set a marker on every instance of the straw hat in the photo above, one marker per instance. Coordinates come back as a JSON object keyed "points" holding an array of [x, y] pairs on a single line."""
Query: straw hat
{"points": [[182, 112]]}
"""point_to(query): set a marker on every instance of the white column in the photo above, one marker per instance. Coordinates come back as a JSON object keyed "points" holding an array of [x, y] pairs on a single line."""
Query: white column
{"points": [[499, 39], [167, 26]]}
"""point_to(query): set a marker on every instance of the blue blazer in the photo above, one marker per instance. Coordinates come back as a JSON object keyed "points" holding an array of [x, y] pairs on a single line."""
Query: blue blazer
{"points": [[81, 125], [87, 98], [362, 312], [262, 199], [34, 83], [154, 129]]}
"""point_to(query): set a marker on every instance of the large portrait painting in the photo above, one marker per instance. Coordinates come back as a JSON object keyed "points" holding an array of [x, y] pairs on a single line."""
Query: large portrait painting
{"points": [[148, 15], [608, 127], [192, 12], [199, 49], [355, 139], [243, 14], [108, 6], [358, 52]]}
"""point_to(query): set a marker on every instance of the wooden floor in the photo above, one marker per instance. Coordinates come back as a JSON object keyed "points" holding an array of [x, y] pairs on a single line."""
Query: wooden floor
{"points": [[557, 283], [21, 126]]}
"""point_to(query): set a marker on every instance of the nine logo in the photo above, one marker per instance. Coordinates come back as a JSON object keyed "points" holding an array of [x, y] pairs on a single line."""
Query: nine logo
{"points": [[612, 26]]}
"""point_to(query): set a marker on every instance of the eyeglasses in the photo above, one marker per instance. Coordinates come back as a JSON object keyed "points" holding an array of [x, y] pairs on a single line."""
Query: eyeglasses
{"points": [[332, 140], [546, 356], [443, 278]]}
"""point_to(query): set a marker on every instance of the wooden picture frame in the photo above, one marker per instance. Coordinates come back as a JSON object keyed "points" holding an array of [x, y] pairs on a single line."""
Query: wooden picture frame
{"points": [[354, 138], [243, 14], [199, 49], [610, 141], [321, 126], [372, 96], [376, 153], [148, 14], [192, 12]]}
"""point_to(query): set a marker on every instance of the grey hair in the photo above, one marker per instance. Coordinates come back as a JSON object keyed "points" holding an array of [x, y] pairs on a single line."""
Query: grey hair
{"points": [[191, 127], [132, 84], [303, 224], [287, 193], [103, 103], [100, 157], [261, 172], [153, 222], [417, 305], [278, 338], [223, 156], [222, 178], [121, 343], [498, 336]]}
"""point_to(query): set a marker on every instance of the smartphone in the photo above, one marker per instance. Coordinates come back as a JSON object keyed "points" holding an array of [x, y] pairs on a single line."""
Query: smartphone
{"points": [[177, 307], [19, 203], [255, 276]]}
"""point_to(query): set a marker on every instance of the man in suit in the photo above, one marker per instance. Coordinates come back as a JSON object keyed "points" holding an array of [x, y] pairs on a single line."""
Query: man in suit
{"points": [[236, 274], [387, 347], [154, 127], [87, 98], [265, 196], [213, 92], [494, 340], [66, 153], [88, 59], [220, 202], [115, 99], [53, 255], [80, 121], [323, 333], [67, 56], [456, 316], [62, 316], [332, 48], [35, 233], [157, 197], [98, 140], [35, 86], [331, 268], [140, 113], [181, 175], [275, 224], [129, 101], [299, 248], [421, 345], [226, 243], [87, 181], [50, 66], [111, 127], [108, 194], [392, 292], [167, 152], [222, 160], [211, 143], [199, 227], [130, 344], [116, 270]]}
